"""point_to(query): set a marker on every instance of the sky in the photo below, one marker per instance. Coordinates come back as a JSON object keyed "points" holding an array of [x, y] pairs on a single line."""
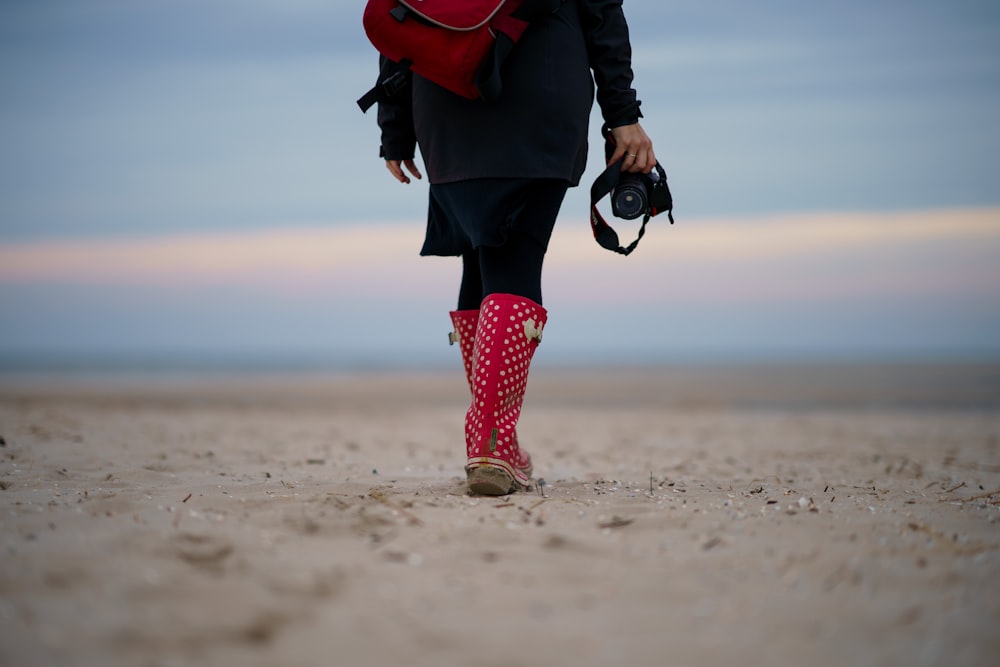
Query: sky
{"points": [[193, 180]]}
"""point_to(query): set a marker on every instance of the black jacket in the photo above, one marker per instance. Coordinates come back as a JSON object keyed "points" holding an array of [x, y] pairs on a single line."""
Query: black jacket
{"points": [[538, 127]]}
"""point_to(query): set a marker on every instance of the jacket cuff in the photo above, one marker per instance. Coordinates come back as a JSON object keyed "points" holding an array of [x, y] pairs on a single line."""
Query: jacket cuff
{"points": [[397, 152], [626, 115]]}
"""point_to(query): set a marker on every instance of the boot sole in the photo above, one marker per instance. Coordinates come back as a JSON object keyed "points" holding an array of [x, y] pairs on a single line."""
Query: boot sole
{"points": [[490, 481]]}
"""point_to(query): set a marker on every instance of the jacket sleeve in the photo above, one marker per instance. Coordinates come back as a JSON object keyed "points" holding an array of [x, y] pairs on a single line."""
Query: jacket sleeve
{"points": [[395, 119], [610, 53]]}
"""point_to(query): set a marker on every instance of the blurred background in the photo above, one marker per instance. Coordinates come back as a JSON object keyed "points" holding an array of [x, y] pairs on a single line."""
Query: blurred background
{"points": [[190, 184]]}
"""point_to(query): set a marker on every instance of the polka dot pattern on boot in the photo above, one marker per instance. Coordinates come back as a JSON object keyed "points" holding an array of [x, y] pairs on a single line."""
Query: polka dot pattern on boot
{"points": [[500, 363]]}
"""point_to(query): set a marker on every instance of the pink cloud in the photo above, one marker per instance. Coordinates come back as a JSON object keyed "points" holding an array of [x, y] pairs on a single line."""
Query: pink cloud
{"points": [[791, 257], [787, 257]]}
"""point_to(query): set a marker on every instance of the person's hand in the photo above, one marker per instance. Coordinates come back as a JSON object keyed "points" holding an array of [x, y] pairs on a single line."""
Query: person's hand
{"points": [[632, 142], [395, 167]]}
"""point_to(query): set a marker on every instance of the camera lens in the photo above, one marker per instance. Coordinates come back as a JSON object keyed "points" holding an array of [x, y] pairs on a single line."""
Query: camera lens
{"points": [[629, 201]]}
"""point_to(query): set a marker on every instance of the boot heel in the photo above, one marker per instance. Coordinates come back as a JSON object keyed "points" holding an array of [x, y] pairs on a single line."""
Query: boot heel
{"points": [[491, 481]]}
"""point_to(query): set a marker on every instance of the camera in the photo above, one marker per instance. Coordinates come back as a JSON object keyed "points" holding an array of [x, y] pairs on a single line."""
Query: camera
{"points": [[636, 195], [632, 197]]}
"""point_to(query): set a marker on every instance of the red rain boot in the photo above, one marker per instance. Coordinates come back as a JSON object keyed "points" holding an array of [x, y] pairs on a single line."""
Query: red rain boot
{"points": [[508, 331], [465, 322]]}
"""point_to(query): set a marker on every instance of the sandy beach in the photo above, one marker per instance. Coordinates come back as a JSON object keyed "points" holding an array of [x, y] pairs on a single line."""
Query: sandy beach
{"points": [[754, 515]]}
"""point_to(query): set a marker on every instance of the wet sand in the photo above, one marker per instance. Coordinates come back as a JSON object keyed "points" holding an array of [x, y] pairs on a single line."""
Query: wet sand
{"points": [[788, 515]]}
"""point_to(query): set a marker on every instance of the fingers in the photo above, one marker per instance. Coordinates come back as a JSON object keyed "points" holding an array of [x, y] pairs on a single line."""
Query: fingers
{"points": [[640, 161], [412, 168], [635, 147], [395, 168], [396, 171]]}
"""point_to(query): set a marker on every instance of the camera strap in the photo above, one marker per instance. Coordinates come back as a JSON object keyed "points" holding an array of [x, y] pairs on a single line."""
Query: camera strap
{"points": [[605, 236]]}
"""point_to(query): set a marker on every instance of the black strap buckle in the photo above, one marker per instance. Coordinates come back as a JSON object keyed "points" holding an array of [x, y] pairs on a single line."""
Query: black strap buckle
{"points": [[386, 88], [395, 83]]}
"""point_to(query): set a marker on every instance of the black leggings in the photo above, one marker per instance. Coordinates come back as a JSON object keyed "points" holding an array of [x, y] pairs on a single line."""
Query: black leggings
{"points": [[513, 268]]}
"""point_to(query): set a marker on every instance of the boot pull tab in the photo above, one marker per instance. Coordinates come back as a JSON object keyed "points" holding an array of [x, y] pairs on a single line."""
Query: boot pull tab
{"points": [[531, 331], [453, 337]]}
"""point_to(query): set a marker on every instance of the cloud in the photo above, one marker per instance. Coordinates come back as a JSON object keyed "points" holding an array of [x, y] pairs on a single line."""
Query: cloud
{"points": [[860, 283], [807, 258], [257, 258], [786, 257], [135, 118]]}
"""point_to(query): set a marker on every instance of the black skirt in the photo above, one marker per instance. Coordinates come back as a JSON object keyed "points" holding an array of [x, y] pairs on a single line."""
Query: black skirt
{"points": [[465, 215]]}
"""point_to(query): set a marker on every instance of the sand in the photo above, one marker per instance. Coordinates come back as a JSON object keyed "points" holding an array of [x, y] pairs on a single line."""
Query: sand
{"points": [[826, 515]]}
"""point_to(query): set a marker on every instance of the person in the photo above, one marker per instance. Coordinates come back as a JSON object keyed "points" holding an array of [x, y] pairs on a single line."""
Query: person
{"points": [[498, 173]]}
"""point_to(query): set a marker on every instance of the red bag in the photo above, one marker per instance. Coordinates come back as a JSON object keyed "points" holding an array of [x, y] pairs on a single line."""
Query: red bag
{"points": [[457, 44]]}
